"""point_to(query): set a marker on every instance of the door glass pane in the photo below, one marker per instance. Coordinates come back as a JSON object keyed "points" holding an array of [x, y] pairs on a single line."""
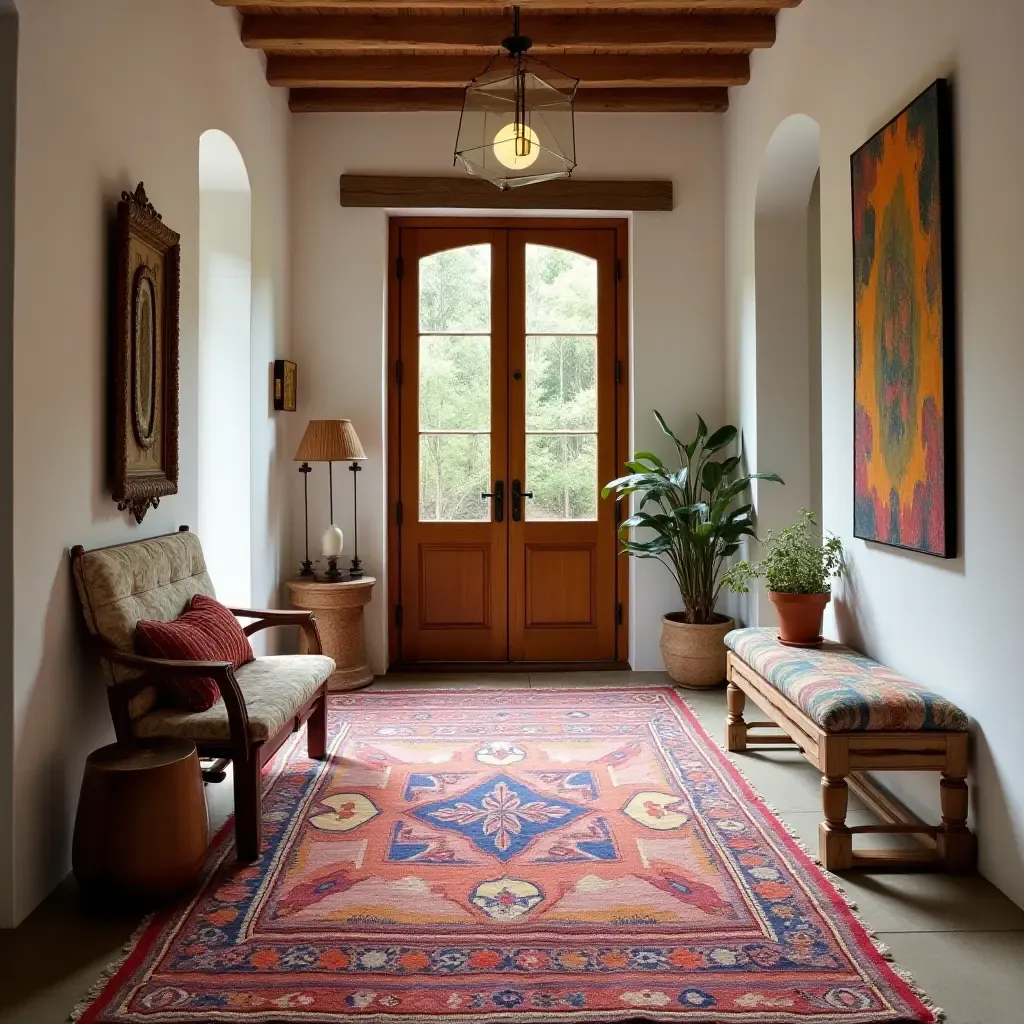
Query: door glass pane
{"points": [[455, 291], [454, 471], [561, 291], [561, 383], [455, 384], [561, 471]]}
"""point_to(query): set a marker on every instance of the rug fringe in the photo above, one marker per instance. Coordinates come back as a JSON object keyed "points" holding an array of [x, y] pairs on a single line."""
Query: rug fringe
{"points": [[96, 989], [829, 878]]}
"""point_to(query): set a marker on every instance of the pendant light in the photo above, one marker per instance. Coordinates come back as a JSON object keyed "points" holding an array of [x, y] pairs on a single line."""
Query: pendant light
{"points": [[517, 119]]}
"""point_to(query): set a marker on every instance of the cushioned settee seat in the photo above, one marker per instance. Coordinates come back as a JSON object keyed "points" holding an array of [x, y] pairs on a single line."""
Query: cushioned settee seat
{"points": [[843, 691], [273, 687]]}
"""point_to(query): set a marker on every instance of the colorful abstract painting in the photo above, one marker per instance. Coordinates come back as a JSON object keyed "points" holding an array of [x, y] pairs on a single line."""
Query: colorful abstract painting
{"points": [[904, 490], [536, 856]]}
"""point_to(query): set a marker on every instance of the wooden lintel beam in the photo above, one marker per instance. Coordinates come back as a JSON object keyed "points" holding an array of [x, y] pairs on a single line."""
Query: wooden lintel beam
{"points": [[597, 70], [308, 101], [526, 5], [399, 192], [673, 33]]}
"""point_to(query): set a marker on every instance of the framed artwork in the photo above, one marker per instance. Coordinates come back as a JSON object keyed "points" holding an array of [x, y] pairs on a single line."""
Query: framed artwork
{"points": [[904, 416], [284, 385], [145, 391]]}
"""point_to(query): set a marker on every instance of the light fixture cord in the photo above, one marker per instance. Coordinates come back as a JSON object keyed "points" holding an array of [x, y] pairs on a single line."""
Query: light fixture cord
{"points": [[519, 133], [520, 117]]}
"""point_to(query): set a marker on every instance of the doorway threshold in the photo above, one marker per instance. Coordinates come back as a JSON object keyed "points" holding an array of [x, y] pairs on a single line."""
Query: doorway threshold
{"points": [[460, 667]]}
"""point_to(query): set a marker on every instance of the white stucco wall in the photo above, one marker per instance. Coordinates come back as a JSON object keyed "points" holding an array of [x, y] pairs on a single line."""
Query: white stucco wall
{"points": [[851, 65], [339, 308], [112, 92]]}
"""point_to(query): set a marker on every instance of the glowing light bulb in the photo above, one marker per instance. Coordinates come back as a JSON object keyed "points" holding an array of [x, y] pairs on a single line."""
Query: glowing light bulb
{"points": [[516, 146]]}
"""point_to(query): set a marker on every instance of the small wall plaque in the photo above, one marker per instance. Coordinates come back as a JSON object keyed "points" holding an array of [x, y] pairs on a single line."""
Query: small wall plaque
{"points": [[284, 385]]}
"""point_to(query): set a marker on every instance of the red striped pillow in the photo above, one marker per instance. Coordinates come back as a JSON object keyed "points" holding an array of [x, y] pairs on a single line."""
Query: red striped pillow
{"points": [[207, 632]]}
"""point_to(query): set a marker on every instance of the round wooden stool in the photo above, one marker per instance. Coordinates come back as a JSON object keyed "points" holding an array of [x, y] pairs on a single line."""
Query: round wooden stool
{"points": [[142, 829]]}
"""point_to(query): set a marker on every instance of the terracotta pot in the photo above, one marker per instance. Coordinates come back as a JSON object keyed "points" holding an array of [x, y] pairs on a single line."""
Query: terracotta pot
{"points": [[800, 617], [694, 655]]}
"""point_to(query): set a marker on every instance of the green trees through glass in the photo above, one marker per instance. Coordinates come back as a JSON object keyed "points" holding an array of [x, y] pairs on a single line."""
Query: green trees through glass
{"points": [[455, 384], [561, 384]]}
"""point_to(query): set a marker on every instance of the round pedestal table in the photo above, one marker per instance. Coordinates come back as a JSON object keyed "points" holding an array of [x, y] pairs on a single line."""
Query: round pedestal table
{"points": [[339, 617]]}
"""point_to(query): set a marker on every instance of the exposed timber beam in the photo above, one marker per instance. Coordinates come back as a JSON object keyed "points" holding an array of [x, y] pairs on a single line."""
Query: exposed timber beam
{"points": [[526, 5], [370, 190], [673, 33], [706, 100], [594, 71]]}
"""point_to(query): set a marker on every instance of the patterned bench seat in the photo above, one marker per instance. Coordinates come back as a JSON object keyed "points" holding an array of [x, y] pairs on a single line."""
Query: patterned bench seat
{"points": [[850, 715], [841, 690]]}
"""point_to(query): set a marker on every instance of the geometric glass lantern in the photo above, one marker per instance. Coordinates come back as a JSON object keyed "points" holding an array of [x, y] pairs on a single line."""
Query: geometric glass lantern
{"points": [[517, 120]]}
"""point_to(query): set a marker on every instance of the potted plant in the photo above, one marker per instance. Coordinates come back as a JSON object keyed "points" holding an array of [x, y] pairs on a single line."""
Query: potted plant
{"points": [[798, 568], [698, 521]]}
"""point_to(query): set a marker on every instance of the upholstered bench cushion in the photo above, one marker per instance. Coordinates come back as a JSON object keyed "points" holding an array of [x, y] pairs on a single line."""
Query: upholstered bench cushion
{"points": [[843, 691], [274, 688]]}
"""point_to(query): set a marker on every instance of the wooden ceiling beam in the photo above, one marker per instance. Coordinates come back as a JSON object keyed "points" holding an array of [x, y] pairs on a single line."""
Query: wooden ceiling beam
{"points": [[527, 5], [673, 33], [464, 192], [708, 100], [382, 71]]}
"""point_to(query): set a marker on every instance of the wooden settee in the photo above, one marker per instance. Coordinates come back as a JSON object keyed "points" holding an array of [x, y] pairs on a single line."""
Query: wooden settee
{"points": [[261, 704]]}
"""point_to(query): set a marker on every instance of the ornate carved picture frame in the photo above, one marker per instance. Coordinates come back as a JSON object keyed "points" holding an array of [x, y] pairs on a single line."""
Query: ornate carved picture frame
{"points": [[145, 391]]}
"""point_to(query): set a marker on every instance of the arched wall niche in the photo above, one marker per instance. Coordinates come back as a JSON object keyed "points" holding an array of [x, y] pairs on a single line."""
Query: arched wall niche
{"points": [[787, 295], [225, 371]]}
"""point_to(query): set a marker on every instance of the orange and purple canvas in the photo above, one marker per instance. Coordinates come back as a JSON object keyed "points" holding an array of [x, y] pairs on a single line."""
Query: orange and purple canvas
{"points": [[903, 486]]}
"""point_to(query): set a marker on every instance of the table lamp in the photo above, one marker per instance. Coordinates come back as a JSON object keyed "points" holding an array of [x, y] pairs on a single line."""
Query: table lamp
{"points": [[331, 441]]}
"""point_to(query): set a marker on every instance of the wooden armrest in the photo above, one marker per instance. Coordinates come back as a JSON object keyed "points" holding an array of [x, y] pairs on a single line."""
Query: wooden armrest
{"points": [[274, 616], [165, 666], [305, 620], [223, 674]]}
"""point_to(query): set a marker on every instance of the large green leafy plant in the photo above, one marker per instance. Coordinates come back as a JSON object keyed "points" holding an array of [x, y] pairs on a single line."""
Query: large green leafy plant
{"points": [[695, 512], [797, 560]]}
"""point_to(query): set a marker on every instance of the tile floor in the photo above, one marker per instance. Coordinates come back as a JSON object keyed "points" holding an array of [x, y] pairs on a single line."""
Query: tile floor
{"points": [[962, 940]]}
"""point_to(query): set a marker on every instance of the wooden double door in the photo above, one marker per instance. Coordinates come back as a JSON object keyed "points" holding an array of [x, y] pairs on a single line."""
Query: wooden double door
{"points": [[505, 422]]}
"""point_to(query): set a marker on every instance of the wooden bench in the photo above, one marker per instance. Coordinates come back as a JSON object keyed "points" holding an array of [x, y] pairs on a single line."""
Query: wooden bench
{"points": [[848, 714]]}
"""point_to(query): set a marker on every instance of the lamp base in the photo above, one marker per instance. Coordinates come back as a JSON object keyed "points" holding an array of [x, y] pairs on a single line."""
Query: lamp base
{"points": [[332, 572], [355, 571], [307, 569]]}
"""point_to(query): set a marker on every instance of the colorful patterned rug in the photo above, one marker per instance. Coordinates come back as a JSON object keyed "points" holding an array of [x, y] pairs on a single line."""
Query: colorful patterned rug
{"points": [[522, 855]]}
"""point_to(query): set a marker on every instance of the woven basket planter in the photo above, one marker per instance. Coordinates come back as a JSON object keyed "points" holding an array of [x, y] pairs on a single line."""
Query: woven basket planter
{"points": [[694, 655]]}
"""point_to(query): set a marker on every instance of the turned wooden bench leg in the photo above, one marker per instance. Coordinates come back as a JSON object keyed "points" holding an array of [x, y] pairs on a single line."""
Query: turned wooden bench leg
{"points": [[736, 728], [954, 842], [835, 841]]}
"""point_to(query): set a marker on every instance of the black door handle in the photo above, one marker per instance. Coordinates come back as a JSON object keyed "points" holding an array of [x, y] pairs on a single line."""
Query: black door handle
{"points": [[498, 494], [517, 500]]}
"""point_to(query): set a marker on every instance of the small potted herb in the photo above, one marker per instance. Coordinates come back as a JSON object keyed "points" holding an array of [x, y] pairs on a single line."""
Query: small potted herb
{"points": [[798, 568]]}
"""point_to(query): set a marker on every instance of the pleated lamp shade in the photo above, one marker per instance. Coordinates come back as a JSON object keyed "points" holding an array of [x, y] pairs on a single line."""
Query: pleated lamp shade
{"points": [[330, 441]]}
